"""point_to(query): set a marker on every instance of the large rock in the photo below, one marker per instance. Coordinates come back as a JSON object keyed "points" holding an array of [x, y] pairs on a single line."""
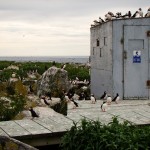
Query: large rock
{"points": [[53, 80]]}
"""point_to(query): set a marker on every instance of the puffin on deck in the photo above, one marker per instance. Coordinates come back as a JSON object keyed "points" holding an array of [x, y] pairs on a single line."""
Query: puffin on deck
{"points": [[116, 98], [33, 113], [104, 96], [93, 99], [104, 106]]}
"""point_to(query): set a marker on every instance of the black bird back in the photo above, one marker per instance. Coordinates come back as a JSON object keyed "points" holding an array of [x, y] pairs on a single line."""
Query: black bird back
{"points": [[115, 97], [33, 113], [102, 97]]}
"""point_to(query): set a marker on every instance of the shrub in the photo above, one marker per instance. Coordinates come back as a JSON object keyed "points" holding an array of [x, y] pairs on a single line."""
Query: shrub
{"points": [[11, 106], [92, 135]]}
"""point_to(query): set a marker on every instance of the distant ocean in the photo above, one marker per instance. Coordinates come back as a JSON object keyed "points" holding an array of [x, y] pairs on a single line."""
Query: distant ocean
{"points": [[59, 59]]}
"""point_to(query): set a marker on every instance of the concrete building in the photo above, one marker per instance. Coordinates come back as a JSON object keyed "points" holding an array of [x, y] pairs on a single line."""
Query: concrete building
{"points": [[120, 58]]}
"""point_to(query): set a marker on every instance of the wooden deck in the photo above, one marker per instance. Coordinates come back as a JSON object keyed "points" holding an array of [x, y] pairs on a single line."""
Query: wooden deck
{"points": [[46, 131]]}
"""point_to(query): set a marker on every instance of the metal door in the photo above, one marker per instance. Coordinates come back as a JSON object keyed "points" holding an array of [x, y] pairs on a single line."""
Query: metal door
{"points": [[136, 66]]}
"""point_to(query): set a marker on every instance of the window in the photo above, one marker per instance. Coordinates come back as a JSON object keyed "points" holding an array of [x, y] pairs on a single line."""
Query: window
{"points": [[100, 54], [105, 40], [97, 42]]}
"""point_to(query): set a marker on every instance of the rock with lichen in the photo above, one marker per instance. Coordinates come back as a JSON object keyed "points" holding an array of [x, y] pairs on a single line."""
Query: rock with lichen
{"points": [[53, 80]]}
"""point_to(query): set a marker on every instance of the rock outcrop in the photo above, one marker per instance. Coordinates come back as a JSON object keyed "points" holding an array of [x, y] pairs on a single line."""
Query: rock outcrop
{"points": [[53, 80]]}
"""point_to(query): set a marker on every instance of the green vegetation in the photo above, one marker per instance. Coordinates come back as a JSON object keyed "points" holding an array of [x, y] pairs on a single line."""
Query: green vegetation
{"points": [[74, 70], [92, 135], [12, 99], [13, 94]]}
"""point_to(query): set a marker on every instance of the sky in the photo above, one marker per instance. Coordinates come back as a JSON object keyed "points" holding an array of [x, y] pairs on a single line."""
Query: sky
{"points": [[54, 27]]}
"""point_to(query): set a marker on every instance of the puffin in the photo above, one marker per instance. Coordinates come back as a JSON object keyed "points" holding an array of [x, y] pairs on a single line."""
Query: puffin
{"points": [[63, 66], [75, 104], [135, 14], [45, 101], [140, 12], [96, 22], [104, 106], [116, 98], [33, 113], [101, 20], [109, 100], [104, 95], [93, 99], [67, 98], [148, 13]]}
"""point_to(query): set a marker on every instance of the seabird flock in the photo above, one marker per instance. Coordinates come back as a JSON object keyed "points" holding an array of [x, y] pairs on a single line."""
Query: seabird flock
{"points": [[110, 16]]}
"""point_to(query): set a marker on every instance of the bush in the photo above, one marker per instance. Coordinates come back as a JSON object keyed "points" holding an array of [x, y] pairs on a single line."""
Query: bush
{"points": [[92, 135], [11, 106]]}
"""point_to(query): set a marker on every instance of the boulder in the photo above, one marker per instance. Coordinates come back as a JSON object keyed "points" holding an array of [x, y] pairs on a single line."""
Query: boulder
{"points": [[53, 80]]}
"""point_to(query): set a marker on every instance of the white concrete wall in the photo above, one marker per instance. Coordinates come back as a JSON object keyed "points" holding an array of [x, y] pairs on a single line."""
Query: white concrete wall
{"points": [[101, 59]]}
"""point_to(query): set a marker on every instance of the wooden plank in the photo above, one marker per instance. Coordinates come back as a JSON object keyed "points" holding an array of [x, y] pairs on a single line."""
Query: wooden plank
{"points": [[32, 127], [62, 121], [51, 125], [3, 133], [13, 129], [131, 116]]}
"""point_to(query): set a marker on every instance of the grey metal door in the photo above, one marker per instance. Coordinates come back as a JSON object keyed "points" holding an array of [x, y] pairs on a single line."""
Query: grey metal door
{"points": [[136, 56]]}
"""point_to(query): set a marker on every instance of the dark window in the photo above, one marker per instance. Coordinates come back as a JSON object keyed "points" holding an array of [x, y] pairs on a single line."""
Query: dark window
{"points": [[105, 40], [100, 54], [97, 42]]}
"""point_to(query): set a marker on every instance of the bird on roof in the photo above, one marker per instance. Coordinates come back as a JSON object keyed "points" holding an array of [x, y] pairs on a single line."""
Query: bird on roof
{"points": [[135, 14], [96, 22], [118, 15], [109, 100], [104, 96], [101, 20], [93, 99], [92, 25], [129, 14], [140, 12], [108, 17], [33, 113], [116, 98], [148, 13], [110, 13], [104, 106]]}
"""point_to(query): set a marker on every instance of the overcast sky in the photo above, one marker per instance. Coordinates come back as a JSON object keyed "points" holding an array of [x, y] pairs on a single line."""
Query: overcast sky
{"points": [[54, 27]]}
